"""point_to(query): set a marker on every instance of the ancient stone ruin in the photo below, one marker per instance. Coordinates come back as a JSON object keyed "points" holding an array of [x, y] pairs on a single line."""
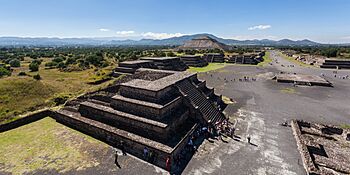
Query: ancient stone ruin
{"points": [[323, 148], [247, 58], [214, 57], [301, 79], [203, 43], [194, 60], [336, 64], [152, 109], [162, 63]]}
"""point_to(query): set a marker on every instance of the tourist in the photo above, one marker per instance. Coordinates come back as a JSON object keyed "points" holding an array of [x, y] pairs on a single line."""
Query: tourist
{"points": [[122, 147], [151, 156], [168, 164], [248, 138], [145, 153], [232, 132], [116, 157]]}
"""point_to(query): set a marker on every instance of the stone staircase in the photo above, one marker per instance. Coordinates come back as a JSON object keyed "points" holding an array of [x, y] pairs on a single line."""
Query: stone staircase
{"points": [[199, 101]]}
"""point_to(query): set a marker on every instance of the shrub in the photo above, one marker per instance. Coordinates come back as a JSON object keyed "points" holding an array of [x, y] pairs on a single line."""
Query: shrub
{"points": [[51, 64], [15, 63], [60, 99], [37, 77], [4, 72], [61, 65], [22, 74], [58, 59], [33, 66], [37, 61]]}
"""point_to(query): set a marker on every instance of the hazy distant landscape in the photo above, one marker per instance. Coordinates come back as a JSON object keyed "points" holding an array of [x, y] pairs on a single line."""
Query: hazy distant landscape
{"points": [[176, 41]]}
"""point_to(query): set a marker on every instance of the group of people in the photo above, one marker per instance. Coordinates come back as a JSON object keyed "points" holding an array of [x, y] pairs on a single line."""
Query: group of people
{"points": [[226, 128], [335, 74], [246, 78]]}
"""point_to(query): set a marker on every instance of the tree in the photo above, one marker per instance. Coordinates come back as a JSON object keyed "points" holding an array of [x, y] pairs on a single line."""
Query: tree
{"points": [[170, 54], [37, 77], [58, 59], [33, 66], [4, 72], [96, 60], [15, 63]]}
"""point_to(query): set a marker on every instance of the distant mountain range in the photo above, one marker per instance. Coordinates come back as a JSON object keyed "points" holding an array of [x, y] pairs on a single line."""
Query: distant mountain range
{"points": [[175, 41]]}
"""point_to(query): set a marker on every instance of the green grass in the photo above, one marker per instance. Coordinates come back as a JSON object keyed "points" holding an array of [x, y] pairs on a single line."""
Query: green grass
{"points": [[47, 145], [19, 95], [288, 90], [267, 59], [345, 126], [210, 67]]}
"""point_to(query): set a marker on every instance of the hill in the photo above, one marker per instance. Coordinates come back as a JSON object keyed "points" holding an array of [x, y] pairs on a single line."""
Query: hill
{"points": [[177, 41]]}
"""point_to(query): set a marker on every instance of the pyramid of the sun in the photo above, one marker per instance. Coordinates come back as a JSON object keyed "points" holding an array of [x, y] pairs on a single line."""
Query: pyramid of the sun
{"points": [[203, 43]]}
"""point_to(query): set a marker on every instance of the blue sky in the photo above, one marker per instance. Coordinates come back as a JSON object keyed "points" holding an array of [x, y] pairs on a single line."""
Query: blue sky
{"points": [[326, 21]]}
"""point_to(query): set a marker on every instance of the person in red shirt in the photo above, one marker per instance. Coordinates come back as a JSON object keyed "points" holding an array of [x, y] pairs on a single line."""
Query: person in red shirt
{"points": [[168, 163]]}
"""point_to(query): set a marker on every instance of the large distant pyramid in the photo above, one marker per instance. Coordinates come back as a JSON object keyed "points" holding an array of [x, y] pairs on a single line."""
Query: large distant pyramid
{"points": [[203, 43]]}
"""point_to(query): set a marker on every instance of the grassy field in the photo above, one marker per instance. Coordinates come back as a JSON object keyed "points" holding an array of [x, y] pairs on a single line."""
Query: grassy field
{"points": [[210, 67], [267, 59], [19, 94], [46, 145]]}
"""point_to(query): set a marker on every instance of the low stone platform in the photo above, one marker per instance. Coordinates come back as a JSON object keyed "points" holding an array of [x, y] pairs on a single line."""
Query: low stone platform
{"points": [[324, 149], [300, 79]]}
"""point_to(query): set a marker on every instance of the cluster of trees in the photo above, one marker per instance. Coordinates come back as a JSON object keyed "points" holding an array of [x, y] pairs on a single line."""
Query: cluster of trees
{"points": [[83, 62], [327, 51]]}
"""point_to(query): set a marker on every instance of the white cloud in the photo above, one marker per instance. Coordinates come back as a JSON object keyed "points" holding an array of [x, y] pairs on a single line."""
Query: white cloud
{"points": [[129, 32], [259, 27], [161, 35], [104, 30], [250, 37]]}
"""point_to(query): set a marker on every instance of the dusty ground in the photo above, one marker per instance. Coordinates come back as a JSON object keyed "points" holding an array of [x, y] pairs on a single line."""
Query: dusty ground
{"points": [[260, 107]]}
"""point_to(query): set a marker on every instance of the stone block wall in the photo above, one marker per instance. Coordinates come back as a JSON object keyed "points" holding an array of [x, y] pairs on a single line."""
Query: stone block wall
{"points": [[128, 122], [146, 95], [26, 119], [147, 110], [108, 135]]}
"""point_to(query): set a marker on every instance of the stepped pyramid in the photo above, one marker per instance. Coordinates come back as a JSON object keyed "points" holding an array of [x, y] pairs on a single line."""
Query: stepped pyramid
{"points": [[158, 110], [202, 43]]}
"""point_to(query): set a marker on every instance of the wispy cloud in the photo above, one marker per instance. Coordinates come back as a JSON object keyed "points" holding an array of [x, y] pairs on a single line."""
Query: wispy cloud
{"points": [[104, 30], [259, 27], [161, 35], [125, 32], [249, 37]]}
